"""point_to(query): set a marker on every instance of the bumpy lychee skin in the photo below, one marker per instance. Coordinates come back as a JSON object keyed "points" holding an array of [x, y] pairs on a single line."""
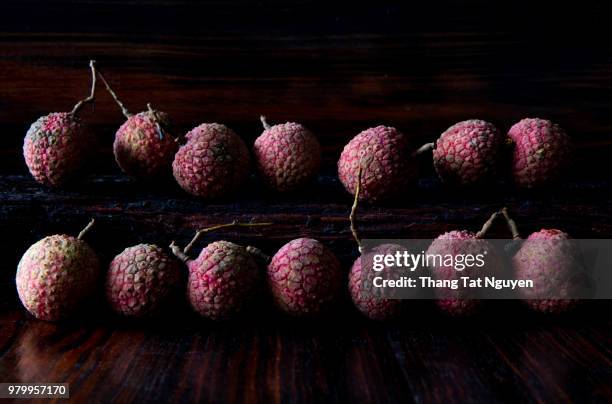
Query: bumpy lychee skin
{"points": [[304, 277], [287, 156], [55, 147], [55, 275], [388, 166], [221, 280], [550, 260], [141, 279], [373, 303], [213, 163], [467, 152], [141, 151], [461, 301], [542, 151]]}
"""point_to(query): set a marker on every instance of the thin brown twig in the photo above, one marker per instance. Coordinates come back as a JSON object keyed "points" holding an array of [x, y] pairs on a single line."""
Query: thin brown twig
{"points": [[352, 216], [124, 110], [256, 252], [264, 122], [511, 224], [92, 92], [426, 147], [200, 232], [487, 226], [176, 250], [86, 229]]}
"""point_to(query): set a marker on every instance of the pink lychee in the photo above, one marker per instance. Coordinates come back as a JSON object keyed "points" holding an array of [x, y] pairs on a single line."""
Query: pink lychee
{"points": [[304, 277], [462, 301], [221, 280], [385, 156], [369, 300], [467, 152], [456, 302], [143, 148], [56, 275], [56, 147], [213, 163], [542, 151], [287, 155], [551, 260], [141, 279]]}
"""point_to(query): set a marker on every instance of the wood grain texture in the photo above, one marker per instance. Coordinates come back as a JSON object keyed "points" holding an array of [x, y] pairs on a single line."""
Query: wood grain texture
{"points": [[338, 68], [506, 355]]}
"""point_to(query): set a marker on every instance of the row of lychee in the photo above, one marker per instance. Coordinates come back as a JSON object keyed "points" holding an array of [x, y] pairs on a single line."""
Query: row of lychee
{"points": [[304, 277], [212, 161]]}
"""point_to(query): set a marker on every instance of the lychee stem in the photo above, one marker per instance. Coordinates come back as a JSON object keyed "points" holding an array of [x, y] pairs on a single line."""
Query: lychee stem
{"points": [[176, 250], [425, 148], [160, 132], [511, 224], [265, 123], [124, 110], [92, 93], [200, 232], [352, 216], [256, 252], [86, 229], [158, 124], [487, 226]]}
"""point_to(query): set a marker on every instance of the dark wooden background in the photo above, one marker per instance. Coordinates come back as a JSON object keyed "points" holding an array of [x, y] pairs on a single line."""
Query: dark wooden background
{"points": [[338, 69]]}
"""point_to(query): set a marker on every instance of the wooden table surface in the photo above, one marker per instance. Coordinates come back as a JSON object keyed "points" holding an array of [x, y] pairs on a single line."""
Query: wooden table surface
{"points": [[338, 69]]}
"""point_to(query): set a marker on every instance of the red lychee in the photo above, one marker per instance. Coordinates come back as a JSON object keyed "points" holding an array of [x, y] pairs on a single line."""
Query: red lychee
{"points": [[143, 146], [213, 163], [56, 275], [551, 260], [467, 152], [304, 277], [542, 151], [141, 279], [461, 301], [287, 155], [224, 277], [373, 302], [387, 161], [57, 145], [142, 149], [221, 280]]}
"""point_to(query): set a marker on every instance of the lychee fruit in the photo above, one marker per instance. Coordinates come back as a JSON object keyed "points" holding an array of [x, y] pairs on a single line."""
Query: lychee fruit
{"points": [[223, 278], [287, 155], [373, 302], [141, 279], [56, 275], [304, 277], [551, 260], [213, 163], [57, 145], [461, 301], [467, 152], [143, 146], [140, 149], [542, 151], [387, 161]]}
